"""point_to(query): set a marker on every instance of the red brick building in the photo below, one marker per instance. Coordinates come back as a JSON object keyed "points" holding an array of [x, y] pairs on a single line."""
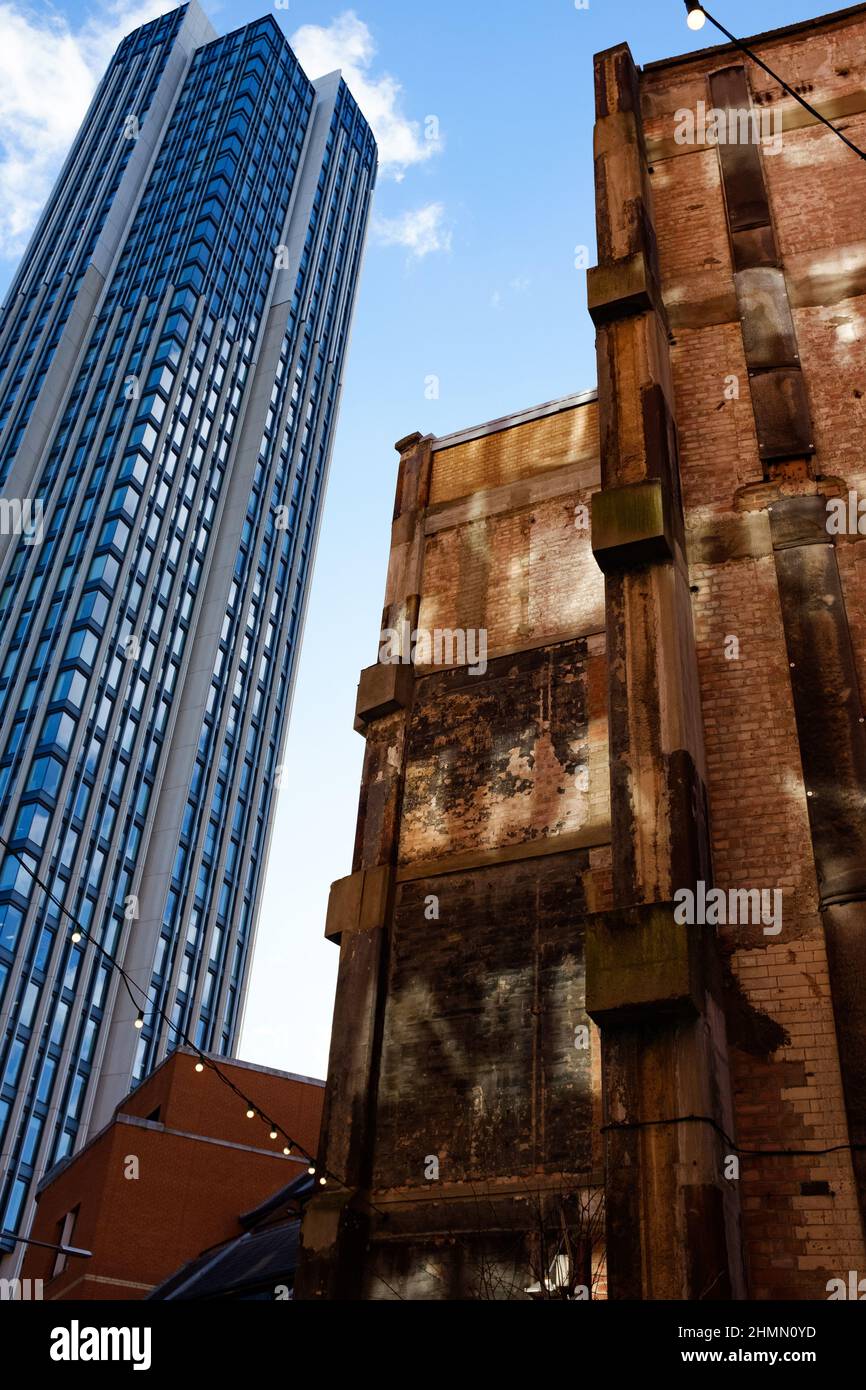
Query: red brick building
{"points": [[169, 1177], [529, 1025]]}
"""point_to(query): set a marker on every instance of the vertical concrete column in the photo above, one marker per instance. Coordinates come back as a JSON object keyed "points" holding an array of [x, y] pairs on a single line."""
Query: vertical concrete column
{"points": [[338, 1221], [672, 1216]]}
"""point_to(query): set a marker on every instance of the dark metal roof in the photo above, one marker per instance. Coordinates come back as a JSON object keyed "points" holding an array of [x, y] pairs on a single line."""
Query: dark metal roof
{"points": [[258, 1261], [289, 1201]]}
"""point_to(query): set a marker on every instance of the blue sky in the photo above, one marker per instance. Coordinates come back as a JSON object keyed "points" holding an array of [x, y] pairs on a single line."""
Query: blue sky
{"points": [[470, 277]]}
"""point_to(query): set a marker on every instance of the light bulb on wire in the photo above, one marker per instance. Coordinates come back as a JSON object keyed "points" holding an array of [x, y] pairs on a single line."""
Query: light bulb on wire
{"points": [[696, 18]]}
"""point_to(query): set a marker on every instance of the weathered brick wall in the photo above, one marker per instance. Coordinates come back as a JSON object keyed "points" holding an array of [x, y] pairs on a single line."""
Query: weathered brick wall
{"points": [[471, 781], [502, 850], [504, 758], [479, 1062], [505, 456], [785, 1059], [524, 577]]}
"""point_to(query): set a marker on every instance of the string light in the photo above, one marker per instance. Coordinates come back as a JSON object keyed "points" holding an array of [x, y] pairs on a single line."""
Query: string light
{"points": [[291, 1144], [696, 17], [79, 933]]}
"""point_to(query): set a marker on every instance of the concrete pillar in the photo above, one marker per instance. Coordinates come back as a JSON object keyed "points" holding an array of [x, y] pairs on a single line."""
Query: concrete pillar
{"points": [[338, 1221], [672, 1216]]}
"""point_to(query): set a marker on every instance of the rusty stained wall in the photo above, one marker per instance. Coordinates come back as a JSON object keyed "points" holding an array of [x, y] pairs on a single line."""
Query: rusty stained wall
{"points": [[504, 549], [516, 755], [517, 454], [504, 826], [800, 1216], [479, 1063]]}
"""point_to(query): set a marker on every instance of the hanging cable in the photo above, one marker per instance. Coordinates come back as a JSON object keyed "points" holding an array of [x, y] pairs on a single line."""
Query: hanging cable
{"points": [[695, 11], [253, 1110]]}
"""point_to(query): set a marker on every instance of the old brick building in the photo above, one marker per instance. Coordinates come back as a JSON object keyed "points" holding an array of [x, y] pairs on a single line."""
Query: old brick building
{"points": [[670, 701]]}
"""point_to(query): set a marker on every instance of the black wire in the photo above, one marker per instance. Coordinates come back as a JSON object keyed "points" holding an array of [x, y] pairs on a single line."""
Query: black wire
{"points": [[155, 1008], [313, 1162], [782, 83], [750, 1153]]}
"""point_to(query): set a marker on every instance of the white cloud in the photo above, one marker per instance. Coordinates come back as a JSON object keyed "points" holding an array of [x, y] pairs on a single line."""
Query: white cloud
{"points": [[421, 231], [49, 69], [347, 43], [520, 285], [48, 73]]}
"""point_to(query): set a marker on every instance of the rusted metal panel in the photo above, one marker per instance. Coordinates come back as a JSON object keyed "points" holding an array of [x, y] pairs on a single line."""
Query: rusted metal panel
{"points": [[782, 418], [826, 700], [477, 746], [745, 190], [478, 1055], [798, 521], [742, 171], [729, 88], [769, 337], [845, 934], [832, 739], [754, 246]]}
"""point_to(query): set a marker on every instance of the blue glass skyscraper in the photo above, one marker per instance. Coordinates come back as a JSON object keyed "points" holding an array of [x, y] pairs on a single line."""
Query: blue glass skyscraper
{"points": [[171, 358]]}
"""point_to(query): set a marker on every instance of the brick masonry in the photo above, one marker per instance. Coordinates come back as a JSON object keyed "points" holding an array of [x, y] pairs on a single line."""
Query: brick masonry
{"points": [[779, 1005], [507, 825], [496, 829], [199, 1164]]}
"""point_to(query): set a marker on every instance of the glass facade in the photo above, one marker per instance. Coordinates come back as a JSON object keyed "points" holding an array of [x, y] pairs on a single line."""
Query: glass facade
{"points": [[171, 357]]}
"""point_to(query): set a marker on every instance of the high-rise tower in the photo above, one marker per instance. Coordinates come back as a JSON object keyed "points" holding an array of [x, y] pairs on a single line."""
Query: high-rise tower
{"points": [[171, 358]]}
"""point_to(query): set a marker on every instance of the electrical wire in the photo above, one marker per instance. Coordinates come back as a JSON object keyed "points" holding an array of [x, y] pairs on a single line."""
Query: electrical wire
{"points": [[315, 1169], [782, 83], [625, 1125], [147, 1004]]}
